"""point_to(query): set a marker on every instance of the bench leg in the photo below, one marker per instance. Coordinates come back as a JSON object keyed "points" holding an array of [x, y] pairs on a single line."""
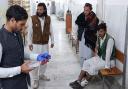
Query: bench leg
{"points": [[103, 81], [71, 37], [77, 46], [68, 35], [110, 86], [73, 42], [120, 87]]}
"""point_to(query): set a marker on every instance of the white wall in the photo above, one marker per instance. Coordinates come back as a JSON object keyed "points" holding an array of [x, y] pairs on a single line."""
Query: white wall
{"points": [[4, 7], [119, 2], [127, 70], [127, 54], [33, 6], [99, 9], [116, 23]]}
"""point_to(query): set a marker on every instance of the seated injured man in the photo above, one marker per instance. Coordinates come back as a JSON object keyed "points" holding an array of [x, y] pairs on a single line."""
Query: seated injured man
{"points": [[103, 58]]}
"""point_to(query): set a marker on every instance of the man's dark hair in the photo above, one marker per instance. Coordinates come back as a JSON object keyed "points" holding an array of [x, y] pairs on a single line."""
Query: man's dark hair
{"points": [[88, 5], [45, 8], [17, 12], [102, 26]]}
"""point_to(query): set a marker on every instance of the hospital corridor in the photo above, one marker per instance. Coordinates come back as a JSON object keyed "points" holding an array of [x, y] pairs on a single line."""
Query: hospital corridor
{"points": [[63, 44]]}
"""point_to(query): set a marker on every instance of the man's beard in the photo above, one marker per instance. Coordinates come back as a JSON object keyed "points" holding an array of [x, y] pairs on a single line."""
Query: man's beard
{"points": [[40, 15]]}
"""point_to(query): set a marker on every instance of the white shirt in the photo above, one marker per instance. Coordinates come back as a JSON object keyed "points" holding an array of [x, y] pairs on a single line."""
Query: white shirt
{"points": [[30, 30], [109, 50]]}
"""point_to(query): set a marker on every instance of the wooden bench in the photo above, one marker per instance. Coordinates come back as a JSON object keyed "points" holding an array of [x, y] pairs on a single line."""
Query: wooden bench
{"points": [[113, 71]]}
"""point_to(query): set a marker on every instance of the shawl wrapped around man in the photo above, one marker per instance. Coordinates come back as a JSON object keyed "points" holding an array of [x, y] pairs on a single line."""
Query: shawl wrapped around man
{"points": [[88, 26]]}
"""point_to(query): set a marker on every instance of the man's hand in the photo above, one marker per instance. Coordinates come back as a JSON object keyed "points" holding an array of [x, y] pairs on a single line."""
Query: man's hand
{"points": [[95, 52], [31, 47], [52, 45], [25, 68], [44, 62]]}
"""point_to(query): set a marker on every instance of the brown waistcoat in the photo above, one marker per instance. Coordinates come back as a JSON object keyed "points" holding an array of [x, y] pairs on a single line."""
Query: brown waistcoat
{"points": [[40, 37]]}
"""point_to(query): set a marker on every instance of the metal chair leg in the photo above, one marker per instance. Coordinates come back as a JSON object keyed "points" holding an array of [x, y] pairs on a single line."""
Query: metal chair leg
{"points": [[103, 81]]}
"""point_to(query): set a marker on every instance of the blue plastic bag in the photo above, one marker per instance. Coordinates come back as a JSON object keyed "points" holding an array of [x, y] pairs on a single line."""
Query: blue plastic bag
{"points": [[44, 56]]}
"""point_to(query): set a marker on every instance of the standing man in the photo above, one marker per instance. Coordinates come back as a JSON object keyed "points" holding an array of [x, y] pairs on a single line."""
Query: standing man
{"points": [[13, 70], [104, 58], [39, 30], [87, 23]]}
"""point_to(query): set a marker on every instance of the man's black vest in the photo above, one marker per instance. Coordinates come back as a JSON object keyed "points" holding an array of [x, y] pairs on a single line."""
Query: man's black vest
{"points": [[87, 26], [12, 56]]}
